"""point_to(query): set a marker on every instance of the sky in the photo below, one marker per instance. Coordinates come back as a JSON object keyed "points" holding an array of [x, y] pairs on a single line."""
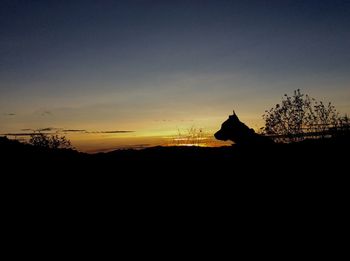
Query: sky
{"points": [[137, 72]]}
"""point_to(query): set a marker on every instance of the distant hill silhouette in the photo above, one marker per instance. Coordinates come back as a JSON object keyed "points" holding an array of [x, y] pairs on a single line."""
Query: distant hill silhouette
{"points": [[312, 155]]}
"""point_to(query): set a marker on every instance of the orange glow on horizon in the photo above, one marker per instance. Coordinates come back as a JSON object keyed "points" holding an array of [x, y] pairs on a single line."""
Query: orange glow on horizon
{"points": [[104, 143]]}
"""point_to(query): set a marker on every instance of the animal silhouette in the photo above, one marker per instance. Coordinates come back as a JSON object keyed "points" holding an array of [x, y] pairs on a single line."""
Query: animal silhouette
{"points": [[235, 130]]}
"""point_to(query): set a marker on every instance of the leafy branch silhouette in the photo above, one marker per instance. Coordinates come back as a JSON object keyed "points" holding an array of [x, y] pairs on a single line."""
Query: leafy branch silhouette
{"points": [[50, 141], [299, 117]]}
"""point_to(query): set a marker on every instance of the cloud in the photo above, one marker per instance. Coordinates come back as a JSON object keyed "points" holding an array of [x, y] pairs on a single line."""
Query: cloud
{"points": [[74, 130], [24, 134], [118, 131], [29, 132], [43, 112], [48, 129], [181, 120], [94, 132], [53, 130], [46, 113], [113, 131], [10, 114]]}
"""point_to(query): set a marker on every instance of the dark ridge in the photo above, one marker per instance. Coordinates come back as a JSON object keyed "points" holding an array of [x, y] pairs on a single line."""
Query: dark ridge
{"points": [[306, 175], [274, 158]]}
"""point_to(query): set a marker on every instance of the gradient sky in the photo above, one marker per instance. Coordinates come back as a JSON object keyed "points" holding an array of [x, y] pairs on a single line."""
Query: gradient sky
{"points": [[154, 67]]}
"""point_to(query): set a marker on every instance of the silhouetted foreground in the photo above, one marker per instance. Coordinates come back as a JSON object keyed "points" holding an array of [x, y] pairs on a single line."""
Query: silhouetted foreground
{"points": [[233, 182], [283, 159]]}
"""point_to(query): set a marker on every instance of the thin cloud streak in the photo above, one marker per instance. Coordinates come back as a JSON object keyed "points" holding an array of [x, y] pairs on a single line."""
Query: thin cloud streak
{"points": [[111, 132], [48, 129], [73, 130], [51, 130], [25, 134], [46, 113]]}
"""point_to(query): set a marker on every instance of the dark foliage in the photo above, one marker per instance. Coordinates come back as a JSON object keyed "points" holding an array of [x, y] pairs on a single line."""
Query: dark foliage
{"points": [[50, 141], [299, 117]]}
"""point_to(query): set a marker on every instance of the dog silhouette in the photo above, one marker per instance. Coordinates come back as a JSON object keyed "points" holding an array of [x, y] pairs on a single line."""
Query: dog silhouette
{"points": [[235, 130]]}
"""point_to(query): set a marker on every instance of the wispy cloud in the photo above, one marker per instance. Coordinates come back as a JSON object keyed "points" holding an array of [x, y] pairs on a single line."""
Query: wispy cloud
{"points": [[96, 132], [163, 120], [53, 130], [118, 131], [46, 113], [43, 129], [24, 133], [48, 129], [74, 130], [168, 120], [42, 112]]}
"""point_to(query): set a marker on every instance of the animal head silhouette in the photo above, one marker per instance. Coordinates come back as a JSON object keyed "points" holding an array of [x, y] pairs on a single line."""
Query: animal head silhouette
{"points": [[235, 130]]}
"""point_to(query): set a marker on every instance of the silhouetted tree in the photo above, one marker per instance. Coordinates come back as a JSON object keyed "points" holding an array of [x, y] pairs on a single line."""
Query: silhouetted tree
{"points": [[50, 141], [299, 116], [343, 126]]}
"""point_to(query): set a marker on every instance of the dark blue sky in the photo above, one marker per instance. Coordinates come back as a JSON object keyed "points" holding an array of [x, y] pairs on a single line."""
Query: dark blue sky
{"points": [[167, 36], [121, 62]]}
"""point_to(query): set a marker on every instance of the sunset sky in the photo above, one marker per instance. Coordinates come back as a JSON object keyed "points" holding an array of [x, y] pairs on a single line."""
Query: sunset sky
{"points": [[99, 68]]}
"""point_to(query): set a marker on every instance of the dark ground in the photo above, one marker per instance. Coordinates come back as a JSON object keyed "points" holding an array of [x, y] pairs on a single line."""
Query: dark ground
{"points": [[293, 188], [308, 157]]}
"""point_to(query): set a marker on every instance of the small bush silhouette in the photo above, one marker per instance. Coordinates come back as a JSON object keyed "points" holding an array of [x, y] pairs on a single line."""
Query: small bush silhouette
{"points": [[342, 127], [50, 141], [300, 116], [192, 137]]}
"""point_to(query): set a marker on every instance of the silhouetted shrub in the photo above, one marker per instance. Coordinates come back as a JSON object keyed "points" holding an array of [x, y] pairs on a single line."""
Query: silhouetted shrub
{"points": [[342, 127], [300, 116], [50, 141], [193, 137]]}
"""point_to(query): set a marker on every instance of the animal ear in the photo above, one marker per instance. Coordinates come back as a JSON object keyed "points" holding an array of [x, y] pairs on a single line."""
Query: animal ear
{"points": [[233, 112]]}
